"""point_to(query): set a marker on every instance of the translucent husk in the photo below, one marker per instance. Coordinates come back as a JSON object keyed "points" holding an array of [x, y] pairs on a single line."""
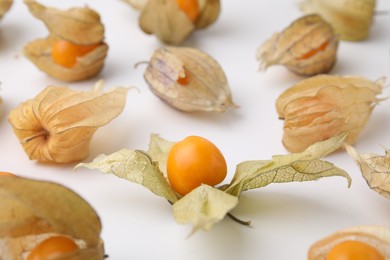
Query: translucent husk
{"points": [[32, 211], [5, 5], [307, 47], [375, 236], [58, 124], [207, 88], [323, 106], [81, 26], [351, 19], [170, 24]]}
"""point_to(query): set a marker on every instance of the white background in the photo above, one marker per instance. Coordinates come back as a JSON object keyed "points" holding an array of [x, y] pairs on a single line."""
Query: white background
{"points": [[286, 218]]}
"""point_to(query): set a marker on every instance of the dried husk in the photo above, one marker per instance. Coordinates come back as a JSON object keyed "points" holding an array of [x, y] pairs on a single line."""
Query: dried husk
{"points": [[323, 106], [375, 170], [32, 210], [351, 19], [207, 88], [170, 24], [307, 47], [81, 26], [137, 4], [58, 124], [373, 235], [5, 5]]}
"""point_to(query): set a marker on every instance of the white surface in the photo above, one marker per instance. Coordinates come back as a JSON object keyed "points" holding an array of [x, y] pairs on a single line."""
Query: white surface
{"points": [[286, 218]]}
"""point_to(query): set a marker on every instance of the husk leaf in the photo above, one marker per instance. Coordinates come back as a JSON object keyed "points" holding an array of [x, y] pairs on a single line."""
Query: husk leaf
{"points": [[305, 166], [137, 167], [209, 12], [32, 210], [203, 207], [375, 169], [207, 89], [58, 124]]}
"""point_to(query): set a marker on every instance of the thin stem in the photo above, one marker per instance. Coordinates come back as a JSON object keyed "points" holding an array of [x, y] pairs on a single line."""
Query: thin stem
{"points": [[239, 221]]}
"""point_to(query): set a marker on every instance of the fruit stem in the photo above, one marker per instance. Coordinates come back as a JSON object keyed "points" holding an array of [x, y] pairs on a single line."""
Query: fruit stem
{"points": [[239, 221]]}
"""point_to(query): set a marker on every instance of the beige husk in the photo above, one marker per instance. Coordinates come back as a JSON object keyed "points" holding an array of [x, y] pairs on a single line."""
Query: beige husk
{"points": [[351, 19], [207, 89], [5, 5], [58, 124], [376, 236], [171, 25], [307, 47], [81, 26], [323, 106], [32, 211]]}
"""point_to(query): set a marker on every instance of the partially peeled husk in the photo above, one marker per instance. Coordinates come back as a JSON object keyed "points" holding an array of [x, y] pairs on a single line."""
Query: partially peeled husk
{"points": [[307, 47], [58, 124], [5, 5], [206, 90], [170, 24], [81, 26], [376, 236], [351, 19], [32, 211], [324, 106]]}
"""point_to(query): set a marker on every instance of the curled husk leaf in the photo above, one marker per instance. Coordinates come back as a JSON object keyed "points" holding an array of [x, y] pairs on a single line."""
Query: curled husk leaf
{"points": [[375, 236], [205, 206], [307, 47], [170, 24], [188, 80], [32, 211], [351, 19], [375, 170], [79, 26], [5, 5], [323, 106], [58, 124]]}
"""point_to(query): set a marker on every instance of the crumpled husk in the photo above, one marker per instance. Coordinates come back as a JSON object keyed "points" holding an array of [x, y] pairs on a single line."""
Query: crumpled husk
{"points": [[351, 19], [307, 47], [5, 5], [58, 124], [171, 25], [206, 90], [32, 211], [324, 106], [376, 236], [81, 26]]}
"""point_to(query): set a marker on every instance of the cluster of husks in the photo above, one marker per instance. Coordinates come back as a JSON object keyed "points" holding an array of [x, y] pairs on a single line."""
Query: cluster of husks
{"points": [[307, 47], [324, 106], [188, 80], [80, 28], [169, 23]]}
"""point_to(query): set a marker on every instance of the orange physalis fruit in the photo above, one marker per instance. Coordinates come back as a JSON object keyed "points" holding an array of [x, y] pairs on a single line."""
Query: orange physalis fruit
{"points": [[354, 250], [184, 80], [190, 7], [65, 53], [53, 248], [313, 52], [195, 161]]}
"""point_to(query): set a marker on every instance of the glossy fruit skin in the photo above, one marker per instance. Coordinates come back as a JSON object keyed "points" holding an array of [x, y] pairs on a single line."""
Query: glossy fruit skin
{"points": [[52, 247], [65, 53], [195, 161], [190, 7], [354, 250]]}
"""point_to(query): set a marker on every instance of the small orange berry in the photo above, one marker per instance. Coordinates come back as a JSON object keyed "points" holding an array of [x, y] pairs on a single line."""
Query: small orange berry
{"points": [[195, 161], [52, 247], [65, 53], [190, 7], [354, 250]]}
